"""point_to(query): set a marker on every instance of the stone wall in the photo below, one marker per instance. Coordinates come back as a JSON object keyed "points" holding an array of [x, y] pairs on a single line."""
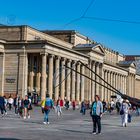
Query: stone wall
{"points": [[10, 34], [11, 73]]}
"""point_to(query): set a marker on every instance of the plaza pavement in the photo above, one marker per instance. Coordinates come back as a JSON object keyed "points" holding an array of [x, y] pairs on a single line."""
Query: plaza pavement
{"points": [[71, 126]]}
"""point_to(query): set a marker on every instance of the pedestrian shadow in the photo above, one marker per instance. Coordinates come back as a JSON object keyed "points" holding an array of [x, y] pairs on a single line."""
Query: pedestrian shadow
{"points": [[107, 124], [32, 122], [9, 139], [75, 131]]}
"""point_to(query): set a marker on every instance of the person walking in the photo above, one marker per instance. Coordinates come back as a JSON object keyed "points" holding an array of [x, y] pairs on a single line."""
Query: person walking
{"points": [[16, 101], [10, 102], [26, 104], [2, 105], [124, 112], [59, 106], [118, 105], [112, 106], [83, 108], [5, 105], [67, 104], [96, 114], [20, 107], [47, 104], [104, 105], [73, 104]]}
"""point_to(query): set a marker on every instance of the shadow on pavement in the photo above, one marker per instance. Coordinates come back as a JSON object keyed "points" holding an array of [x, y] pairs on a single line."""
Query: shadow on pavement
{"points": [[75, 131], [9, 139]]}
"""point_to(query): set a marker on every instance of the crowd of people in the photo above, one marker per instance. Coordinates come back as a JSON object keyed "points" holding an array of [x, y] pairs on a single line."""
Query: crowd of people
{"points": [[97, 108], [21, 106]]}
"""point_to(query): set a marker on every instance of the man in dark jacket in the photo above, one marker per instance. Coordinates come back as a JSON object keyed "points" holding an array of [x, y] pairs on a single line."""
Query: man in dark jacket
{"points": [[1, 104]]}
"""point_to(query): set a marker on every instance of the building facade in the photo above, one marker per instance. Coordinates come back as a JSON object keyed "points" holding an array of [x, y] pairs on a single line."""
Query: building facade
{"points": [[36, 60]]}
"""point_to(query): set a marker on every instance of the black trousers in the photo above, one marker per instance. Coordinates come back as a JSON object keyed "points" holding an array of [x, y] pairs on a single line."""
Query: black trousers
{"points": [[96, 122], [2, 109]]}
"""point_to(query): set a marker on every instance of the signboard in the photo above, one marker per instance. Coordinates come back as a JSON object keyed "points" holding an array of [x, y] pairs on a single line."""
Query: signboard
{"points": [[10, 80]]}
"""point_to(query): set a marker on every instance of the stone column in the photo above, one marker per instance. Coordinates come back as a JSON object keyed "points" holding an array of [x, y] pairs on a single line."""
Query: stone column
{"points": [[111, 82], [105, 89], [50, 76], [97, 78], [31, 73], [38, 75], [68, 80], [124, 84], [56, 78], [63, 80], [37, 81], [130, 93], [107, 79], [22, 78], [109, 92], [119, 82], [101, 88], [93, 83], [43, 76], [2, 65], [134, 86], [82, 83], [73, 81], [78, 83]]}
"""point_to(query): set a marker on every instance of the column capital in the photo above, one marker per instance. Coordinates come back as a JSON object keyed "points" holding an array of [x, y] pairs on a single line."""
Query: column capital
{"points": [[68, 60], [73, 62], [51, 55], [57, 57], [63, 59], [97, 63], [78, 63]]}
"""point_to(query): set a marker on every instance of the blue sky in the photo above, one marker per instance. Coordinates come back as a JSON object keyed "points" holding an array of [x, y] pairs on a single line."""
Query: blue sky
{"points": [[55, 14]]}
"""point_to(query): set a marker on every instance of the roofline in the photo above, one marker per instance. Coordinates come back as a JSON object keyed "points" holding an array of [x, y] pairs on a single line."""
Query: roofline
{"points": [[69, 31], [132, 55]]}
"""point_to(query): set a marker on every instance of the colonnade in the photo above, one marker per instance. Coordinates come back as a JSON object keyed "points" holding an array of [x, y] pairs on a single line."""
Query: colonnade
{"points": [[55, 79], [116, 80]]}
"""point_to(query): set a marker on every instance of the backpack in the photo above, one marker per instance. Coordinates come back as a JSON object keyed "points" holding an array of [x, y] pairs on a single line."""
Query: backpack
{"points": [[48, 104]]}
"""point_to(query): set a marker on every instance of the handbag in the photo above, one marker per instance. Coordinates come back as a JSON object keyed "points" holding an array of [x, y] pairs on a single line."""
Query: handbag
{"points": [[30, 107], [46, 108]]}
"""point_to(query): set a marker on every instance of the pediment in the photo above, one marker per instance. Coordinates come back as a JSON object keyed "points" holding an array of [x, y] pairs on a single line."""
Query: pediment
{"points": [[98, 48], [133, 65]]}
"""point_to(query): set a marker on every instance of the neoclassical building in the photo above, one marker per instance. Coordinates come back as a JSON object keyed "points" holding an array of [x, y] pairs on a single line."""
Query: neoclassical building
{"points": [[36, 60]]}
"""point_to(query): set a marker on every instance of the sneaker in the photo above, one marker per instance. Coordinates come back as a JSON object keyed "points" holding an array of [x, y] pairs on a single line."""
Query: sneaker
{"points": [[44, 122], [29, 117], [99, 133], [24, 117], [5, 113], [48, 122], [94, 132]]}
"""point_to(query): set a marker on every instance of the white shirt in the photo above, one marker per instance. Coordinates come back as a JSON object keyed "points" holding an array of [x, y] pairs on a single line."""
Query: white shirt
{"points": [[10, 100]]}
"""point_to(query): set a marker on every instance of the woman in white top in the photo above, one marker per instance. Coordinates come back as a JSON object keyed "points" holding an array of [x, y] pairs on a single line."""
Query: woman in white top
{"points": [[124, 112], [10, 102]]}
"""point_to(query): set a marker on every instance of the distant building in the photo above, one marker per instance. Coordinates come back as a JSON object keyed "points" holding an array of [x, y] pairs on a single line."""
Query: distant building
{"points": [[35, 60], [136, 60]]}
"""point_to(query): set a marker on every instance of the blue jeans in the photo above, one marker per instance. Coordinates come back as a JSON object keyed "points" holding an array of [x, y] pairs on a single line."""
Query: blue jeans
{"points": [[83, 110], [46, 114]]}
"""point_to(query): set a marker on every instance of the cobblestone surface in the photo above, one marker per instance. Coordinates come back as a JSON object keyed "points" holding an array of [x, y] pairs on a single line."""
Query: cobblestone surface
{"points": [[70, 126]]}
